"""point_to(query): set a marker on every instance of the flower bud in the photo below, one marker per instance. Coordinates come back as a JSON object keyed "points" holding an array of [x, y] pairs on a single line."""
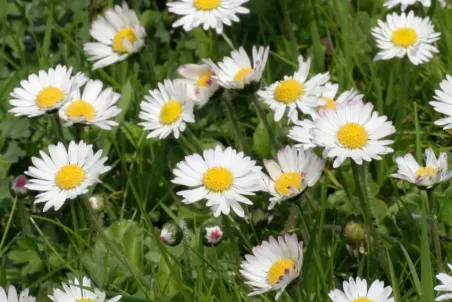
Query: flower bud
{"points": [[354, 231], [96, 202], [18, 184], [171, 234], [212, 235]]}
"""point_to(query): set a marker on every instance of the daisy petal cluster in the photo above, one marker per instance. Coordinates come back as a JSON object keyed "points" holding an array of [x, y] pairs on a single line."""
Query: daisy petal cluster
{"points": [[273, 265], [330, 101], [118, 34], [208, 13], [406, 35], [222, 177], [301, 133], [83, 292], [356, 290], [445, 288], [405, 3], [443, 102], [434, 172], [12, 296], [295, 170]]}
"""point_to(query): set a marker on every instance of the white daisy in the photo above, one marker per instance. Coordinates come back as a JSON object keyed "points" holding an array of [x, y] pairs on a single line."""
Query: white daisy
{"points": [[119, 34], [210, 13], [167, 109], [236, 71], [45, 92], [445, 286], [356, 291], [352, 131], [13, 297], [301, 133], [443, 102], [329, 101], [403, 35], [65, 174], [94, 107], [294, 171], [295, 91], [213, 235], [202, 85], [220, 177], [80, 292], [18, 184], [405, 3], [434, 172], [273, 265]]}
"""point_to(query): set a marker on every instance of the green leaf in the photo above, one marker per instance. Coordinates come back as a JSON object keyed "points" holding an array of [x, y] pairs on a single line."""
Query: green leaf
{"points": [[261, 142], [15, 128], [13, 153]]}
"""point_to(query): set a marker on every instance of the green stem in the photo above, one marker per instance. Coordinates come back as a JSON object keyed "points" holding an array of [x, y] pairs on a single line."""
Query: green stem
{"points": [[58, 127], [263, 117], [8, 225], [239, 138], [402, 100], [23, 216], [226, 38], [193, 138], [434, 231]]}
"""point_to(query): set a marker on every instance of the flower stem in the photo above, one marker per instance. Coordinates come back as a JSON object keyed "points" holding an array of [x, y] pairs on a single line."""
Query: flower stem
{"points": [[8, 225], [434, 231], [239, 138], [58, 127], [402, 100], [263, 117], [228, 41], [359, 174]]}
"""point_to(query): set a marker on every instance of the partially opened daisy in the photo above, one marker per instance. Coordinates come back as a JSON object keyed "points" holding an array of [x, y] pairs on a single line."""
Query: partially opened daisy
{"points": [[94, 107], [208, 13], [273, 265], [352, 131], [443, 102], [222, 177], [236, 72], [119, 34], [12, 296], [330, 101], [65, 173], [445, 286], [405, 35], [80, 292], [45, 92], [295, 170], [202, 85], [301, 133], [212, 235], [405, 3], [434, 172], [357, 291]]}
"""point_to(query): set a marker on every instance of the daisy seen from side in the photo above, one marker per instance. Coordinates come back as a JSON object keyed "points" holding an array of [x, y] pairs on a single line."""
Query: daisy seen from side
{"points": [[445, 286], [13, 296], [356, 290], [442, 102], [78, 291], [405, 3]]}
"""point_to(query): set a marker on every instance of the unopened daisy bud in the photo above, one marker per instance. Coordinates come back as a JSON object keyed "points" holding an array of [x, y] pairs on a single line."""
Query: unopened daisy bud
{"points": [[18, 184], [212, 235], [171, 234], [354, 231], [96, 202]]}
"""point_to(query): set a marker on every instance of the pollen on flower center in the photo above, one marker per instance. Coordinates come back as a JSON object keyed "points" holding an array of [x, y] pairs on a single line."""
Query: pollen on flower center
{"points": [[404, 36], [205, 79], [81, 109], [279, 269], [85, 300], [242, 73], [329, 103], [218, 179], [207, 4], [171, 111], [287, 180], [288, 91], [118, 41], [69, 177], [48, 97], [426, 172], [352, 135], [363, 299]]}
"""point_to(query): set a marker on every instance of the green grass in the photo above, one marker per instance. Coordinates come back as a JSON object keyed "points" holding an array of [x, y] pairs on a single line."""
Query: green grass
{"points": [[120, 248]]}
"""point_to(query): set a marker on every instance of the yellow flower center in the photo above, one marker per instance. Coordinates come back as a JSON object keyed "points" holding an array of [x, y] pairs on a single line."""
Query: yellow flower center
{"points": [[288, 91], [118, 41], [353, 136], [279, 269], [48, 97], [287, 180], [363, 299], [69, 177], [85, 300], [79, 109], [329, 103], [171, 111], [404, 37], [207, 4], [242, 73], [218, 179], [204, 79], [426, 172]]}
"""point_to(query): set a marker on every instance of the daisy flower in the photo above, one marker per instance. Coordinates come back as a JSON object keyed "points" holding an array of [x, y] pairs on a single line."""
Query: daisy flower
{"points": [[405, 3], [167, 109], [45, 92], [352, 131], [210, 13], [294, 171], [212, 235], [236, 71], [201, 83], [329, 101], [83, 292], [220, 177], [119, 34], [273, 265], [171, 233], [443, 102], [405, 35], [18, 184], [13, 297], [434, 172], [356, 291], [301, 133], [65, 174], [295, 91], [94, 107], [446, 286]]}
